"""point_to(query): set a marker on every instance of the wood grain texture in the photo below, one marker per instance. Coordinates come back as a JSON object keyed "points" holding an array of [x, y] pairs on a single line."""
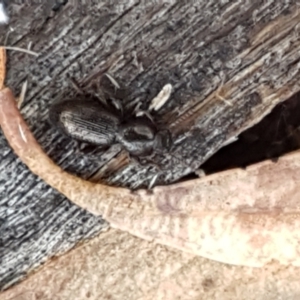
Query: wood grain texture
{"points": [[210, 51], [259, 224]]}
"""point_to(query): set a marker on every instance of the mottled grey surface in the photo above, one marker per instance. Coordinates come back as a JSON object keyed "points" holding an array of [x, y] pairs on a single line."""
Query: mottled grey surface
{"points": [[194, 45]]}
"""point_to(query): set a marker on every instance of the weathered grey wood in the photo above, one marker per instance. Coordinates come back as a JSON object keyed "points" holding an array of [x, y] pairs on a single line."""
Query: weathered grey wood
{"points": [[229, 63]]}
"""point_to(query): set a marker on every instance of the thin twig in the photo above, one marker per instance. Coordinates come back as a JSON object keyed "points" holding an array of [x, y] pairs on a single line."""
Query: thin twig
{"points": [[20, 50]]}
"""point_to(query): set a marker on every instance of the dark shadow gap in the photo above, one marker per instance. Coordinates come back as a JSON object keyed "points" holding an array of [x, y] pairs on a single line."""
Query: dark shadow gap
{"points": [[277, 134]]}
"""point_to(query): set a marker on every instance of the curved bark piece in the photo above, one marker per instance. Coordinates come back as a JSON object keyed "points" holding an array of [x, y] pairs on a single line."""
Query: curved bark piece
{"points": [[30, 152], [238, 217]]}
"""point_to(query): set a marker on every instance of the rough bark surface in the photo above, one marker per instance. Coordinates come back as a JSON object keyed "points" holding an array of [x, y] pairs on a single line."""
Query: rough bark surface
{"points": [[229, 62]]}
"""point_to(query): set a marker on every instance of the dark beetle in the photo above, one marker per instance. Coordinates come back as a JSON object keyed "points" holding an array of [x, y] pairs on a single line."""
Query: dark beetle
{"points": [[86, 120], [91, 122], [139, 138]]}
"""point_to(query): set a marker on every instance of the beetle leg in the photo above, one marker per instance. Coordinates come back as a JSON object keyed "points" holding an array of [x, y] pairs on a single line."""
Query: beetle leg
{"points": [[146, 113], [117, 104]]}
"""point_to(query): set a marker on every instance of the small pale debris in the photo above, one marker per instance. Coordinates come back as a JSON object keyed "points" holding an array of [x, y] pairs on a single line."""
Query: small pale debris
{"points": [[113, 81], [11, 29], [152, 182], [29, 45], [231, 140], [224, 100], [200, 173], [162, 97], [136, 62], [140, 113], [219, 91], [22, 95]]}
